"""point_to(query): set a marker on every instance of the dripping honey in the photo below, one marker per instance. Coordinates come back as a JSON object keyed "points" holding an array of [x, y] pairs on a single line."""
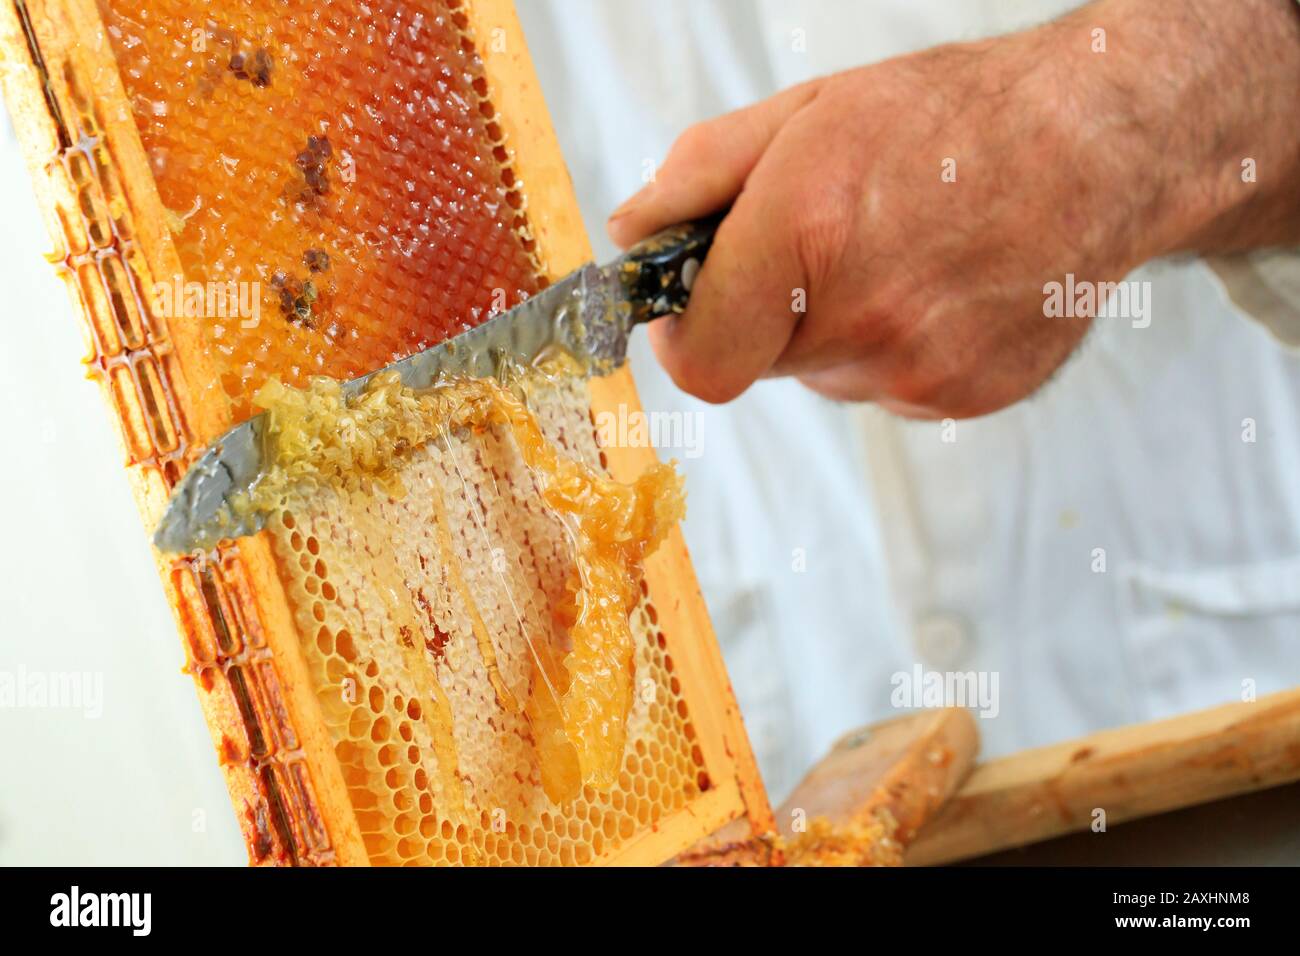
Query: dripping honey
{"points": [[578, 702]]}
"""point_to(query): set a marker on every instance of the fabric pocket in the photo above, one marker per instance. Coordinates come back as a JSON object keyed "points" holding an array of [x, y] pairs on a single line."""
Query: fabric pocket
{"points": [[1213, 635]]}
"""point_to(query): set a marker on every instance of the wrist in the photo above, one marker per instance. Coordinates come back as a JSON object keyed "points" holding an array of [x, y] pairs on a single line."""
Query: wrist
{"points": [[1184, 116], [1230, 135]]}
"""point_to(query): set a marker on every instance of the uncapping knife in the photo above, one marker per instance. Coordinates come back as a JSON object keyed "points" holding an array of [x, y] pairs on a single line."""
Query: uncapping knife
{"points": [[588, 314]]}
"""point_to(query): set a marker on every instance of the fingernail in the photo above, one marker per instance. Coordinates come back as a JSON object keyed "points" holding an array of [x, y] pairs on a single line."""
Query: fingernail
{"points": [[615, 227], [628, 205]]}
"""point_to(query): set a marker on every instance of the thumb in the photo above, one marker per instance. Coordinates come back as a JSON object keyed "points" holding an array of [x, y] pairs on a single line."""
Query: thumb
{"points": [[740, 317]]}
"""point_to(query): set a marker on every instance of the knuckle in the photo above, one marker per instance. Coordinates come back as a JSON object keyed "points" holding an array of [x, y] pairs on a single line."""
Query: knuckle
{"points": [[693, 146], [822, 217]]}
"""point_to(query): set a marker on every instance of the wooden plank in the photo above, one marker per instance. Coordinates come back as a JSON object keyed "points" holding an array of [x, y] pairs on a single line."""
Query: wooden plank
{"points": [[863, 801], [906, 767], [1127, 773], [1260, 828]]}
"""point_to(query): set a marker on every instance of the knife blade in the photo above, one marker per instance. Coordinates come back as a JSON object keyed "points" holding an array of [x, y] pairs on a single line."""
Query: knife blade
{"points": [[589, 314]]}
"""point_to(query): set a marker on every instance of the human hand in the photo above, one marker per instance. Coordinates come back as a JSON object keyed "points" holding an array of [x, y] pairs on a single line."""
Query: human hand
{"points": [[892, 228]]}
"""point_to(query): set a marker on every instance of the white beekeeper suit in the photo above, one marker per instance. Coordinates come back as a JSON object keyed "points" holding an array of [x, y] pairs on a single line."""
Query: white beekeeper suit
{"points": [[1123, 546]]}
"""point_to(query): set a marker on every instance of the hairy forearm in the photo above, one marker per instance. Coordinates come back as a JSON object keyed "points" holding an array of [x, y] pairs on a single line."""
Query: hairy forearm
{"points": [[1206, 94]]}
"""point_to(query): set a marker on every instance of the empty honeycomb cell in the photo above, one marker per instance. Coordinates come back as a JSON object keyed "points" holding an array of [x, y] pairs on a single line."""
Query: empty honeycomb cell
{"points": [[414, 632]]}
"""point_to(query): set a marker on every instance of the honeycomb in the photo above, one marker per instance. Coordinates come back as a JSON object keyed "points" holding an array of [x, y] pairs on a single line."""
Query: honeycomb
{"points": [[425, 614], [344, 157], [871, 842]]}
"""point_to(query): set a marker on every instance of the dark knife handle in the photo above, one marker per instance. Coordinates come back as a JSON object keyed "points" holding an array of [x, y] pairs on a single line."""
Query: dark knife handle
{"points": [[659, 272]]}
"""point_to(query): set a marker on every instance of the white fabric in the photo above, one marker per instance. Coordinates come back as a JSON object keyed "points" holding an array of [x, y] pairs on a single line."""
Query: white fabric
{"points": [[1266, 285], [975, 554], [128, 777]]}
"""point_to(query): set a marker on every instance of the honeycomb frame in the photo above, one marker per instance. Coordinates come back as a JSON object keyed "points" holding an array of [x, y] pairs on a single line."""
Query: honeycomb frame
{"points": [[242, 644]]}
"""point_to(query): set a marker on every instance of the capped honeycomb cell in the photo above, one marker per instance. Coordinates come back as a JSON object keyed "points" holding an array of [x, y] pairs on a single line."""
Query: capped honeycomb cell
{"points": [[241, 191], [342, 156]]}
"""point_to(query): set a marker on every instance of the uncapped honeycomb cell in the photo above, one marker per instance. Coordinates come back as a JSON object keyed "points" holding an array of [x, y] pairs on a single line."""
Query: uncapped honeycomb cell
{"points": [[420, 616], [337, 161]]}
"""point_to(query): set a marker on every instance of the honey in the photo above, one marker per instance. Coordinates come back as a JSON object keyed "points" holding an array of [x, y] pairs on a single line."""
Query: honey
{"points": [[869, 842], [344, 157], [318, 438]]}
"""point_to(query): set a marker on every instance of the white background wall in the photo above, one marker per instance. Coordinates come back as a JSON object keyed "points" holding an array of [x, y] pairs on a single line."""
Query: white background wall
{"points": [[78, 592]]}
